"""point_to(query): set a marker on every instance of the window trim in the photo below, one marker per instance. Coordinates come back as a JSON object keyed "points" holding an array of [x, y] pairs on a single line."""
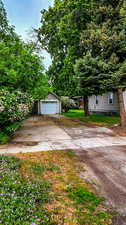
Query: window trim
{"points": [[96, 100], [111, 97]]}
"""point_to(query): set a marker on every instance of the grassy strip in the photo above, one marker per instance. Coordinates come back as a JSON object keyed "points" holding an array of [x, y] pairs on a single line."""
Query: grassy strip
{"points": [[95, 119], [86, 204], [73, 201]]}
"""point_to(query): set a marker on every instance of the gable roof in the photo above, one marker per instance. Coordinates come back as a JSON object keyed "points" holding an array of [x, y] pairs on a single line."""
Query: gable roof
{"points": [[52, 93]]}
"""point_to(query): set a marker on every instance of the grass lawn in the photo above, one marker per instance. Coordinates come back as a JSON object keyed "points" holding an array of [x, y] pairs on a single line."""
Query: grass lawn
{"points": [[95, 119], [45, 188]]}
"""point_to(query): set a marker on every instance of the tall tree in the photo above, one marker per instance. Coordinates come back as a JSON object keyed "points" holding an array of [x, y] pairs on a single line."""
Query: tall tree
{"points": [[20, 67], [105, 37], [59, 34], [3, 19]]}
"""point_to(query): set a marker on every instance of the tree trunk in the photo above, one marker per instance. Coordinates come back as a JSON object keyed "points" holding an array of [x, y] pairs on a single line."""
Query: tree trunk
{"points": [[122, 107], [86, 110]]}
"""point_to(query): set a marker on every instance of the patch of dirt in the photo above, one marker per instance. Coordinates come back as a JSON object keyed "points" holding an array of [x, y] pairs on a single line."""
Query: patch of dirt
{"points": [[70, 122], [26, 143], [118, 130], [108, 172], [3, 146], [119, 220]]}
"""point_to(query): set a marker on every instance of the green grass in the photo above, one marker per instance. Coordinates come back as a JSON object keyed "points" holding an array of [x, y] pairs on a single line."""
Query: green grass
{"points": [[22, 200], [31, 184], [100, 119], [83, 198], [40, 169]]}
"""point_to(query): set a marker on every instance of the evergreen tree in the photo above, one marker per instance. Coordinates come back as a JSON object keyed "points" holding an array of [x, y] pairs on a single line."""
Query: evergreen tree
{"points": [[105, 37]]}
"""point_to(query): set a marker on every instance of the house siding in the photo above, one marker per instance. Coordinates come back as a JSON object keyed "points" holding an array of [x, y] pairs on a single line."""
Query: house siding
{"points": [[124, 97], [103, 105]]}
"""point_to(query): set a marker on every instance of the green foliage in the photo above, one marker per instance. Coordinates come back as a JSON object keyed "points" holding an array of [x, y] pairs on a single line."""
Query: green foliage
{"points": [[10, 130], [21, 74], [22, 200], [22, 77], [67, 103], [21, 69], [6, 31], [88, 200], [91, 72], [71, 30], [103, 120], [74, 113], [14, 106], [105, 38], [59, 34], [70, 154], [82, 196], [37, 169], [99, 119], [40, 169], [7, 131], [4, 138], [53, 167]]}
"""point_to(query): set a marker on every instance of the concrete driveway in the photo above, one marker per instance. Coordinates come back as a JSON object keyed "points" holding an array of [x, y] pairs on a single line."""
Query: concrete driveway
{"points": [[102, 152]]}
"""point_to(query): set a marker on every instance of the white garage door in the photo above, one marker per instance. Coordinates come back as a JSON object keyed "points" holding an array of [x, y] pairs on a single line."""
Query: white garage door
{"points": [[48, 107]]}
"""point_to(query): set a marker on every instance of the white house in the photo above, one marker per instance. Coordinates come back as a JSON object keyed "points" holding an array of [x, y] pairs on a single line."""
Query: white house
{"points": [[105, 104], [50, 105]]}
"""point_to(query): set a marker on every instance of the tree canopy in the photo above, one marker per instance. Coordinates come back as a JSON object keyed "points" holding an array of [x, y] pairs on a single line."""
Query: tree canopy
{"points": [[87, 43], [20, 67], [22, 75], [105, 36], [71, 29], [59, 34]]}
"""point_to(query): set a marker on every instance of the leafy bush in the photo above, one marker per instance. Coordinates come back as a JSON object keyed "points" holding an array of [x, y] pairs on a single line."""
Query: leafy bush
{"points": [[14, 106], [4, 138], [10, 130], [21, 201], [67, 104]]}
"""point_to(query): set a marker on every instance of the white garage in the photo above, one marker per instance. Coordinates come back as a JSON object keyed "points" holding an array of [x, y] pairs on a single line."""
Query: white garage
{"points": [[50, 105]]}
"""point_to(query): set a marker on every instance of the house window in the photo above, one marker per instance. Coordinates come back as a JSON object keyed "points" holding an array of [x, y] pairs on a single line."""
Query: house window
{"points": [[96, 100], [110, 98]]}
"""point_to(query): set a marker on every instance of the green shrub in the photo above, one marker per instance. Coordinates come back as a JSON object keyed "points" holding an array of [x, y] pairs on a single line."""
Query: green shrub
{"points": [[67, 104], [10, 130], [14, 106], [4, 138]]}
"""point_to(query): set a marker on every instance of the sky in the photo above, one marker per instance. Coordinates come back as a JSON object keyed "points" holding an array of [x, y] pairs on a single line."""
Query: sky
{"points": [[25, 15]]}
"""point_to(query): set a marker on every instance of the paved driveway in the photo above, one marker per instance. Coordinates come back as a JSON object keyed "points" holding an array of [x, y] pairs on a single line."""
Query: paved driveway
{"points": [[103, 153]]}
